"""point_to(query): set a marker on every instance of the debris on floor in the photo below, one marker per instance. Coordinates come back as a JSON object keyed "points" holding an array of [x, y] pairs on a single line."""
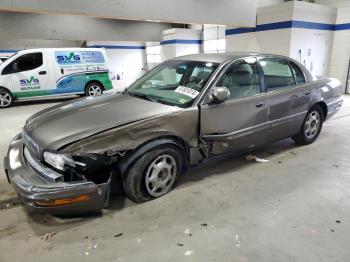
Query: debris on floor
{"points": [[256, 159], [204, 224], [9, 203], [332, 230], [188, 252], [180, 244], [187, 232], [293, 153], [118, 235], [238, 242], [48, 236], [91, 247], [139, 240], [338, 221]]}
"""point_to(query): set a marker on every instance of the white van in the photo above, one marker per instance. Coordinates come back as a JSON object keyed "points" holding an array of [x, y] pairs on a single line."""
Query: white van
{"points": [[53, 72]]}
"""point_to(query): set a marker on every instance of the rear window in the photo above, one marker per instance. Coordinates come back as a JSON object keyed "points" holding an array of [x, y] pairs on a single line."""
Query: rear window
{"points": [[298, 74], [278, 74]]}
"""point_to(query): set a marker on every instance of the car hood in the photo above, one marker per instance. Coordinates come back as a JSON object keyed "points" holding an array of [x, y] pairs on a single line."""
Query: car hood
{"points": [[65, 123]]}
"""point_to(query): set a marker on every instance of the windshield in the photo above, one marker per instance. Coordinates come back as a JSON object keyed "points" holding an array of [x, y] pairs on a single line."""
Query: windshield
{"points": [[174, 82]]}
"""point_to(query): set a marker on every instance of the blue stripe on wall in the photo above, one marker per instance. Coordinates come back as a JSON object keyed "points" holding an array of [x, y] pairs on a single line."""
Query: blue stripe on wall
{"points": [[289, 24], [181, 41], [119, 46], [339, 27], [8, 51]]}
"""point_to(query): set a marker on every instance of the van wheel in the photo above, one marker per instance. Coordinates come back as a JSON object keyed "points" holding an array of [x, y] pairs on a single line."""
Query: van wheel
{"points": [[154, 174], [94, 89], [311, 128], [6, 98]]}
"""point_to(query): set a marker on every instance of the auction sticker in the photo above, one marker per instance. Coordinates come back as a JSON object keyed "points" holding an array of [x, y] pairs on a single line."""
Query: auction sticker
{"points": [[187, 91]]}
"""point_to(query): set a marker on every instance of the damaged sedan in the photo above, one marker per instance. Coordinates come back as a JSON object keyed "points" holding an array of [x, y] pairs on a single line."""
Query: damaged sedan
{"points": [[70, 158]]}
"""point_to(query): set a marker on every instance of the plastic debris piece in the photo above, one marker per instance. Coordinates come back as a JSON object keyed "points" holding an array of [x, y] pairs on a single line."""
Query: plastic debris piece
{"points": [[189, 252], [180, 244], [48, 236], [204, 224], [118, 235], [187, 232], [332, 230], [338, 221], [256, 159]]}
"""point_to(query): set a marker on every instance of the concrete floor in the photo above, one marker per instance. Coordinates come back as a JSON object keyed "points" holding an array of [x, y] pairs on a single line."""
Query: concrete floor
{"points": [[235, 210]]}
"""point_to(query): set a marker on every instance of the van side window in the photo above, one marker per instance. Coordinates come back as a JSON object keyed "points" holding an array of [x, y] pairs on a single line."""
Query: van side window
{"points": [[242, 79], [24, 63], [277, 73], [298, 74]]}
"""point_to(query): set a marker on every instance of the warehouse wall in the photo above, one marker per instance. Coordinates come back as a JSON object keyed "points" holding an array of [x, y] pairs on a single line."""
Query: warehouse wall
{"points": [[10, 46], [178, 42], [340, 60], [300, 30], [68, 27]]}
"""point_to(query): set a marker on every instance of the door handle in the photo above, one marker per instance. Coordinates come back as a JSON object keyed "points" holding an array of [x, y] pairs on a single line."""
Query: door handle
{"points": [[62, 71], [42, 73], [259, 104]]}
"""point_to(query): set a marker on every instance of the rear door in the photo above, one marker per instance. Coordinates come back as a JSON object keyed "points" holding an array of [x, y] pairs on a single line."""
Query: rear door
{"points": [[240, 122], [288, 96], [29, 75]]}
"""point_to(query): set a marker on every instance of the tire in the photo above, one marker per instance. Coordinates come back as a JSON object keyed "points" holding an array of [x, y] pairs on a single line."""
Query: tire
{"points": [[6, 98], [146, 179], [311, 127], [93, 89]]}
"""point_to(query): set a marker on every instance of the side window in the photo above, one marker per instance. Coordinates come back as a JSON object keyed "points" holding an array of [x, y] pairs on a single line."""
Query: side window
{"points": [[277, 73], [298, 74], [25, 62], [242, 79]]}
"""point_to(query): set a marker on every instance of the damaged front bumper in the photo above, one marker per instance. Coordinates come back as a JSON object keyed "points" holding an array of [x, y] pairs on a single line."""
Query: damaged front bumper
{"points": [[39, 190]]}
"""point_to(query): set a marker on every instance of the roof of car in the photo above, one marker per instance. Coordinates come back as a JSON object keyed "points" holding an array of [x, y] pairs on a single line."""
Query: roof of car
{"points": [[220, 57]]}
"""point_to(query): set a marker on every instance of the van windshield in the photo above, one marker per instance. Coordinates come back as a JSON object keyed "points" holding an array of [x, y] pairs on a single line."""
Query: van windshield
{"points": [[173, 82]]}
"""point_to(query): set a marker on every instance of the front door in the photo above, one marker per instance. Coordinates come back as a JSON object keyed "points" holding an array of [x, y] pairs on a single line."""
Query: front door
{"points": [[29, 75], [241, 121]]}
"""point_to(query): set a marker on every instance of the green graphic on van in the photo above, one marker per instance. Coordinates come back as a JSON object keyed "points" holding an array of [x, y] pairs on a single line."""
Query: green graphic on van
{"points": [[32, 81], [67, 58], [81, 57]]}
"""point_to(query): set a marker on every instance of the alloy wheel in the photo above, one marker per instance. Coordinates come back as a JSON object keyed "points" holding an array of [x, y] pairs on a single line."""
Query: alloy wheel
{"points": [[312, 124], [161, 175], [5, 99], [94, 90]]}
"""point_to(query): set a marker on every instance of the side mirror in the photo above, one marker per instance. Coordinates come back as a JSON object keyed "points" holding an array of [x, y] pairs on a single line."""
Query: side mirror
{"points": [[219, 94]]}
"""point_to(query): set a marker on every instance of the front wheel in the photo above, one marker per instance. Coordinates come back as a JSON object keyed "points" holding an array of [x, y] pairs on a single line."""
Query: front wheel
{"points": [[94, 89], [6, 98], [154, 174], [311, 128]]}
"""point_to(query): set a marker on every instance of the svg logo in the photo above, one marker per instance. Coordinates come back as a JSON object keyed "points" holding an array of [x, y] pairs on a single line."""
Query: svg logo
{"points": [[29, 82], [68, 58]]}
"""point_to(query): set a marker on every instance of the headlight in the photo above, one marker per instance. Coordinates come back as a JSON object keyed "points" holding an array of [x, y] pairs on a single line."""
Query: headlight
{"points": [[60, 161]]}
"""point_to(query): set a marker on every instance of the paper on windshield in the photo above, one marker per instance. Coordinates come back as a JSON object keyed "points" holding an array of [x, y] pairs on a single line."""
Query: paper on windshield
{"points": [[187, 91]]}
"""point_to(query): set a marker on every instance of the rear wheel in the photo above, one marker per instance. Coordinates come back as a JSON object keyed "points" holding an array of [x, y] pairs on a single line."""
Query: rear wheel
{"points": [[94, 89], [6, 98], [311, 128], [154, 174]]}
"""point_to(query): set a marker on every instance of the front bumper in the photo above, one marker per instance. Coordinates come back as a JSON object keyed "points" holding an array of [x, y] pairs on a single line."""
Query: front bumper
{"points": [[33, 186]]}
